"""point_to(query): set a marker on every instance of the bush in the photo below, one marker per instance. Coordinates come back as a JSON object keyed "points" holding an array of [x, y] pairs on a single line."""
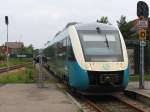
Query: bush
{"points": [[2, 57]]}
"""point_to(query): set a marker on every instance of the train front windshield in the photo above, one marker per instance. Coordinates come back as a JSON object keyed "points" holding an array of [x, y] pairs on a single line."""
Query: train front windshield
{"points": [[101, 46]]}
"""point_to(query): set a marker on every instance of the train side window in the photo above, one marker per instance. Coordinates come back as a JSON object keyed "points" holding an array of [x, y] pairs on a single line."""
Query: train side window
{"points": [[64, 45], [55, 49], [70, 50], [59, 47], [65, 42]]}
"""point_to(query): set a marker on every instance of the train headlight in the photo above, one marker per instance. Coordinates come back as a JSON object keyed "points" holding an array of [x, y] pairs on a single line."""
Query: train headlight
{"points": [[121, 65], [90, 68]]}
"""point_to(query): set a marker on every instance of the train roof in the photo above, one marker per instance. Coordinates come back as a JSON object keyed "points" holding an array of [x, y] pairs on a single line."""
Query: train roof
{"points": [[87, 26], [83, 26], [93, 26]]}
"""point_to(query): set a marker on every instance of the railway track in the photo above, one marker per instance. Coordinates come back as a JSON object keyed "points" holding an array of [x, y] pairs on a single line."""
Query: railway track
{"points": [[113, 103], [5, 69]]}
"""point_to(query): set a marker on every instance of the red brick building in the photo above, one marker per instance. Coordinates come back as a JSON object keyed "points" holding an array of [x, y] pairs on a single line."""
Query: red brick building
{"points": [[12, 46], [3, 49]]}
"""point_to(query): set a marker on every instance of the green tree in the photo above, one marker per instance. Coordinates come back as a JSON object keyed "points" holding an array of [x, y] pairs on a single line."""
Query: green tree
{"points": [[26, 50], [122, 21], [35, 52], [2, 57], [29, 49], [103, 19], [125, 27]]}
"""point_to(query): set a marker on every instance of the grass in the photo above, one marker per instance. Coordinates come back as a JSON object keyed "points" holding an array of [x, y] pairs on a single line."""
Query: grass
{"points": [[80, 110], [26, 75], [136, 77], [14, 61]]}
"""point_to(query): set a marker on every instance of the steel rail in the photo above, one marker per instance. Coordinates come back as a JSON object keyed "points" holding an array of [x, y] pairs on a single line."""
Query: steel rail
{"points": [[100, 108], [138, 96], [131, 104], [5, 69], [95, 106]]}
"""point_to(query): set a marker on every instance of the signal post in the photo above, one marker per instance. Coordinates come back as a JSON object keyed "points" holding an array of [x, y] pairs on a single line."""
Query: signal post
{"points": [[7, 52], [142, 13]]}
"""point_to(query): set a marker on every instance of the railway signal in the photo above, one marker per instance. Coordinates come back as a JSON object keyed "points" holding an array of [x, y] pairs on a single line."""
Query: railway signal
{"points": [[7, 22], [142, 34], [142, 9], [142, 13]]}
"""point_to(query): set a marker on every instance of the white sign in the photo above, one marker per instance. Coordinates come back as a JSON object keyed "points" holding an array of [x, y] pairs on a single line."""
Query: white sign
{"points": [[21, 56], [142, 43], [143, 23]]}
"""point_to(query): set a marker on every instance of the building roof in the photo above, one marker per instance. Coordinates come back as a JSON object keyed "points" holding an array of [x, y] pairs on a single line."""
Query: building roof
{"points": [[14, 45]]}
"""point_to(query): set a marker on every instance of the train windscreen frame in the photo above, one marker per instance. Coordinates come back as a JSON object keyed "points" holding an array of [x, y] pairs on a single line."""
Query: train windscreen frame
{"points": [[101, 46]]}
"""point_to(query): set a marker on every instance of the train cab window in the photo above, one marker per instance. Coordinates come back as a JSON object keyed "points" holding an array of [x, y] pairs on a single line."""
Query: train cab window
{"points": [[101, 46], [59, 47]]}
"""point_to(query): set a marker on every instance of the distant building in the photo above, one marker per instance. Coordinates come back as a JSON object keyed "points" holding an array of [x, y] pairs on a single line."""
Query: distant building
{"points": [[3, 49], [14, 45]]}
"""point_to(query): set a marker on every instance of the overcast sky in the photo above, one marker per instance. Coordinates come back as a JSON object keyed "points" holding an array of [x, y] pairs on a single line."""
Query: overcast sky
{"points": [[37, 21]]}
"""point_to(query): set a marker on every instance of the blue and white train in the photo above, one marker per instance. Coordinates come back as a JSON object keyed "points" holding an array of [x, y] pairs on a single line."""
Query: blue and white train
{"points": [[90, 57]]}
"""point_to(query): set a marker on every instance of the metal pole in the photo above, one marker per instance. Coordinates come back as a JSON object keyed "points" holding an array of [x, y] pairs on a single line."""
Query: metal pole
{"points": [[141, 76], [142, 13], [7, 49], [40, 79]]}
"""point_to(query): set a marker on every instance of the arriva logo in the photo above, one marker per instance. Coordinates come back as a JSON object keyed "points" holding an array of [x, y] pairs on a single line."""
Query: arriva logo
{"points": [[106, 66]]}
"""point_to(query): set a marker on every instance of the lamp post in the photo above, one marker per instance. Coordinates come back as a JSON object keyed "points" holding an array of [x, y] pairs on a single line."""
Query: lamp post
{"points": [[7, 22]]}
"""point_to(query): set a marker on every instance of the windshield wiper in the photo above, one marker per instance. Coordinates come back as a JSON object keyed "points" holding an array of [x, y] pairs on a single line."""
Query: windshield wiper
{"points": [[106, 41]]}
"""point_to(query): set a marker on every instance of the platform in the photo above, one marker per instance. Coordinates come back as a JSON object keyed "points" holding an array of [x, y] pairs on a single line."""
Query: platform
{"points": [[29, 98], [134, 86]]}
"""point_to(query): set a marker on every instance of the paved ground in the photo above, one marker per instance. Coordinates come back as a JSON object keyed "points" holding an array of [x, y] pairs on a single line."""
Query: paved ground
{"points": [[135, 87], [29, 98]]}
